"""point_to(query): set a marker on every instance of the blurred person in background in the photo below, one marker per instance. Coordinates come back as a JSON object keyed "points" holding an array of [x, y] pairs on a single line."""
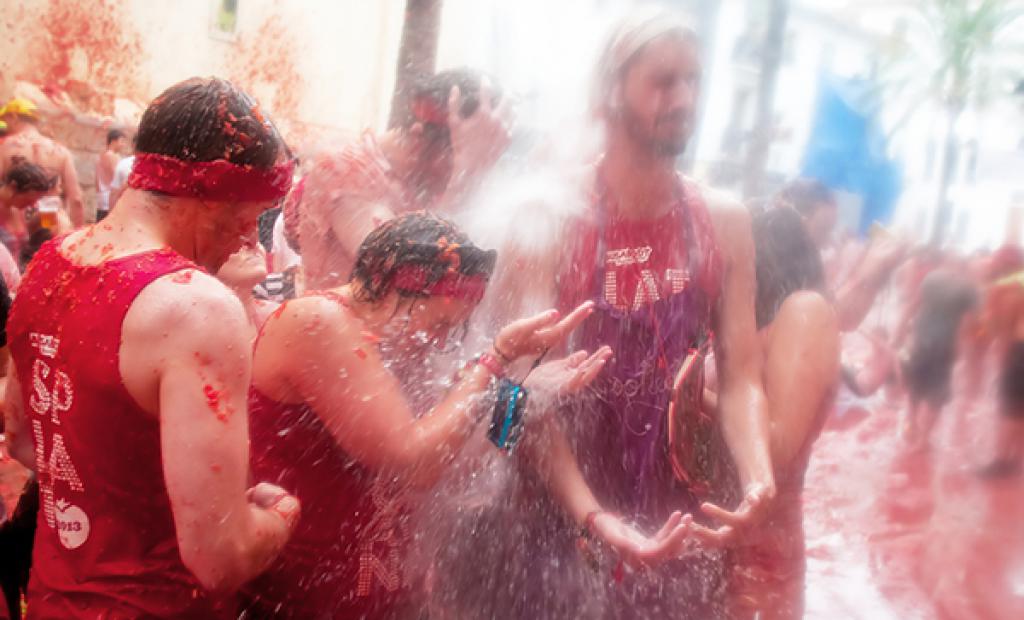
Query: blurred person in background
{"points": [[939, 317], [452, 134], [856, 287], [23, 185], [119, 181], [25, 141], [106, 164], [1003, 327]]}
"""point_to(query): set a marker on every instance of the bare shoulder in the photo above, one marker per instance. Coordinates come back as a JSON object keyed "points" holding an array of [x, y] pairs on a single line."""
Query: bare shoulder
{"points": [[309, 319], [730, 218], [191, 305]]}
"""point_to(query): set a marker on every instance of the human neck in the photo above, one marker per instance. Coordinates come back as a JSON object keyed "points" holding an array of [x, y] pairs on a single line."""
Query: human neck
{"points": [[643, 183], [374, 315], [141, 221]]}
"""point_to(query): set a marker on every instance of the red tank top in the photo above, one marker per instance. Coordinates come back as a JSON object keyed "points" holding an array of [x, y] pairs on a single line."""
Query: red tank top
{"points": [[344, 559], [105, 542], [645, 260]]}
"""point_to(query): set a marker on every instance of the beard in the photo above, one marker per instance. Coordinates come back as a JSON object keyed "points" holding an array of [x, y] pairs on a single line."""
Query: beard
{"points": [[647, 136]]}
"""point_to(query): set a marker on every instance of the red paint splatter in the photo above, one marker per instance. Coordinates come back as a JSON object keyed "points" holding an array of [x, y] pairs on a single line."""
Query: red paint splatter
{"points": [[370, 337], [89, 50], [182, 277], [213, 402], [268, 58]]}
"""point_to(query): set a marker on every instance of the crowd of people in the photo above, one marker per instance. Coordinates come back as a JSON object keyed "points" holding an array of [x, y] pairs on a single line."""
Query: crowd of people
{"points": [[249, 390]]}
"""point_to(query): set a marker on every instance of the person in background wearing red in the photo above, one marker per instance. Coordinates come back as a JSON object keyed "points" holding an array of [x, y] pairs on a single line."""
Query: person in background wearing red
{"points": [[131, 369], [452, 135]]}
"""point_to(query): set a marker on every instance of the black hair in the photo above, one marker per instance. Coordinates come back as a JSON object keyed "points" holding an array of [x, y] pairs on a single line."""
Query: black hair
{"points": [[25, 176], [787, 260], [114, 134], [436, 89], [209, 119], [419, 239], [806, 196]]}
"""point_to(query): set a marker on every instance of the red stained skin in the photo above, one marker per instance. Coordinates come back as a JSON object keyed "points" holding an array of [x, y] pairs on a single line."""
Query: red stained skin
{"points": [[182, 277], [359, 353], [213, 401], [371, 337]]}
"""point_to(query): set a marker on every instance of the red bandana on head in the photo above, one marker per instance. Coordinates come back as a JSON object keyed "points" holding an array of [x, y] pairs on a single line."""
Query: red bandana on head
{"points": [[414, 278], [427, 110], [218, 180]]}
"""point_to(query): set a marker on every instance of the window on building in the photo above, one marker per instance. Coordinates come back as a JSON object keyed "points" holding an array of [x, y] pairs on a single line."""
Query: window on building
{"points": [[226, 17]]}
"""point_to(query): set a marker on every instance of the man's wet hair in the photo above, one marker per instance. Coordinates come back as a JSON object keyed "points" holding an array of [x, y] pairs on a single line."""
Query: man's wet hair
{"points": [[206, 119], [25, 176], [787, 260], [114, 134], [416, 239], [806, 196]]}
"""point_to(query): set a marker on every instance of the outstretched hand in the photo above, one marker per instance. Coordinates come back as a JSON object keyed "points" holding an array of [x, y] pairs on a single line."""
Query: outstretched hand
{"points": [[750, 512], [567, 375], [638, 550], [534, 335]]}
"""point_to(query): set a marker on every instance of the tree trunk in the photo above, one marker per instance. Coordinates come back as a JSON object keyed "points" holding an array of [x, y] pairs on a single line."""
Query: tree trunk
{"points": [[417, 53], [764, 123], [943, 207]]}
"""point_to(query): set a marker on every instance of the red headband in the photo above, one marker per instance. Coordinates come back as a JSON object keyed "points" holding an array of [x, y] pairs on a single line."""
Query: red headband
{"points": [[218, 180], [427, 110], [452, 284]]}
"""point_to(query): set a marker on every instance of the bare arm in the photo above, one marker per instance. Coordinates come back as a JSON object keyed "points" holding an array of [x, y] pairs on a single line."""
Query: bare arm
{"points": [[346, 198], [365, 410], [800, 372], [741, 397], [856, 296], [225, 534], [72, 191], [16, 424]]}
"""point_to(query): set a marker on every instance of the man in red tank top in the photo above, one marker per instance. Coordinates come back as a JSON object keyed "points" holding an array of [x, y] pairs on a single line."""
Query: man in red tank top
{"points": [[666, 264], [451, 135], [131, 366]]}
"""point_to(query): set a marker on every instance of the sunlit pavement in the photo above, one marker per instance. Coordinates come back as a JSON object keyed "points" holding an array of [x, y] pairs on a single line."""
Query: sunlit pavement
{"points": [[892, 534]]}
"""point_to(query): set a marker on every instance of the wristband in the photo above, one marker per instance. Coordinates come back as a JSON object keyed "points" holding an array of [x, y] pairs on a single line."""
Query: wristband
{"points": [[507, 419], [492, 364], [501, 354]]}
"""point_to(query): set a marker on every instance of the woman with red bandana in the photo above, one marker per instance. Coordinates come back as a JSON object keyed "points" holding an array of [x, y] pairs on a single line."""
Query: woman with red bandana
{"points": [[332, 420], [451, 135], [131, 368]]}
